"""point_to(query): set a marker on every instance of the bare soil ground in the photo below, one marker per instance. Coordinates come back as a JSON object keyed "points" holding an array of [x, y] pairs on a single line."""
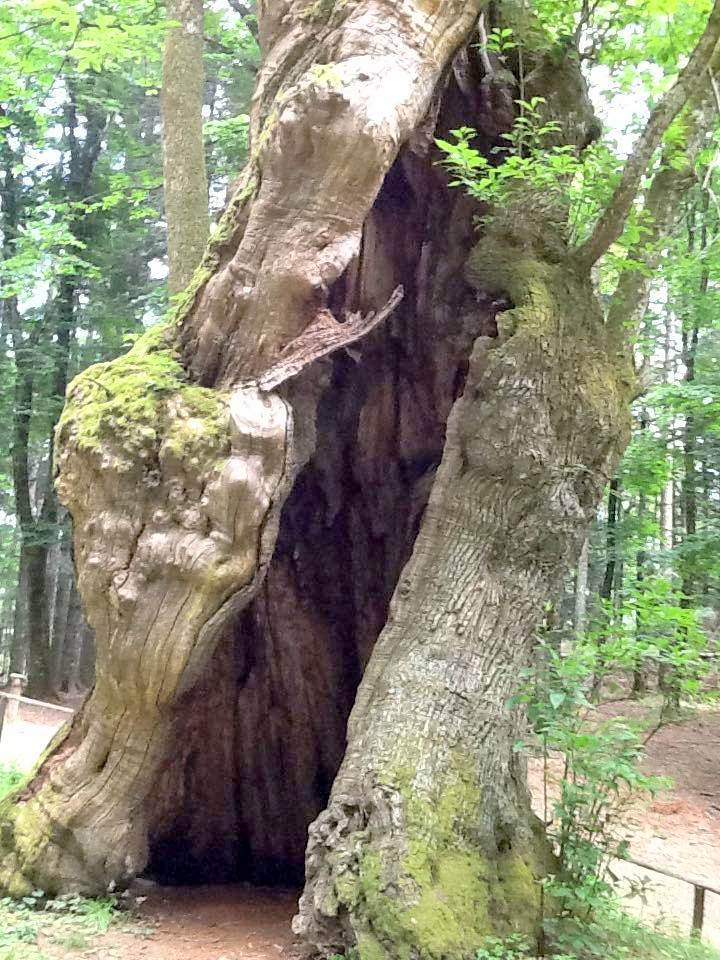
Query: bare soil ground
{"points": [[202, 923], [24, 739], [678, 831]]}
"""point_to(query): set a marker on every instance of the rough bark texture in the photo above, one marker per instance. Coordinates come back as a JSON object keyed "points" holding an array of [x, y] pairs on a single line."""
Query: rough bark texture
{"points": [[290, 546], [174, 523], [332, 110], [427, 844], [186, 186], [258, 743]]}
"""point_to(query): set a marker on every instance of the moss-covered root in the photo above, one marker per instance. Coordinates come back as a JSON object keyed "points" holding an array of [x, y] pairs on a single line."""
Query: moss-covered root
{"points": [[397, 876], [175, 493]]}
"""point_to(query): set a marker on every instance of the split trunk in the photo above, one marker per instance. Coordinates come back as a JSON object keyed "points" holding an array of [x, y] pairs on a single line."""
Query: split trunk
{"points": [[303, 514]]}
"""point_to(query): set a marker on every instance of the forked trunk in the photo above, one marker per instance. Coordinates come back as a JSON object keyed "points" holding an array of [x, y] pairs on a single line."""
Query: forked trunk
{"points": [[238, 542]]}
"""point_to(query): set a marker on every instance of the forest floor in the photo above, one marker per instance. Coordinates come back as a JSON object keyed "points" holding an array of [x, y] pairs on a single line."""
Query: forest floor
{"points": [[678, 830]]}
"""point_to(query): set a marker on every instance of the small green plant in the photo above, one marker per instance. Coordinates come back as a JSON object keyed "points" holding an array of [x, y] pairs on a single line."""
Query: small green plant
{"points": [[514, 947], [528, 157], [72, 941], [68, 921], [10, 777], [96, 914], [533, 162], [500, 40], [613, 934], [600, 773]]}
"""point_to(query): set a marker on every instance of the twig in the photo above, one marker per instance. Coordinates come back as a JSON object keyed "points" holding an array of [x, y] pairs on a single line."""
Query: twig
{"points": [[483, 46], [97, 384], [32, 26]]}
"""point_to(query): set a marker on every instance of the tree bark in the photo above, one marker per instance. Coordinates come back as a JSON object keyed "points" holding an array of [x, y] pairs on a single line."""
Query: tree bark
{"points": [[185, 178], [428, 843], [274, 438], [65, 584]]}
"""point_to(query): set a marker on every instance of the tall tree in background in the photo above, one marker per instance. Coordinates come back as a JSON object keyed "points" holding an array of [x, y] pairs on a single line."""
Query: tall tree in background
{"points": [[186, 187], [86, 239], [267, 511]]}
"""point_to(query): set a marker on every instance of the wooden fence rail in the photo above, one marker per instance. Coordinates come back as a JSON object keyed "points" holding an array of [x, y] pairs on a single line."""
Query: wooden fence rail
{"points": [[6, 698], [700, 888]]}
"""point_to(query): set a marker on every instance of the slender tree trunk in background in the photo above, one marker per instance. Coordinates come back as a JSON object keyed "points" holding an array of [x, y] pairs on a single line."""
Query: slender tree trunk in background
{"points": [[30, 644], [51, 582], [21, 412], [667, 515], [6, 628], [667, 524], [65, 586], [74, 635], [689, 479], [581, 589], [39, 668], [611, 551], [38, 522], [639, 686], [186, 185], [447, 459], [19, 646], [697, 239], [581, 598]]}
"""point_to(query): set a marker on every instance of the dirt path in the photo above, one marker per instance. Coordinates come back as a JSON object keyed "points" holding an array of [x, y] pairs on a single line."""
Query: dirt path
{"points": [[679, 830], [24, 739], [207, 923]]}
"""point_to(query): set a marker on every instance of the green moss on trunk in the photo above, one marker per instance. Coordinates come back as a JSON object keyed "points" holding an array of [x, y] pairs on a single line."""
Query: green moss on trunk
{"points": [[141, 400], [423, 891]]}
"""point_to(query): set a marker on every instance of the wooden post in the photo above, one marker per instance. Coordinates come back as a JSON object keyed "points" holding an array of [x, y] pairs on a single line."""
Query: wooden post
{"points": [[698, 910], [17, 681]]}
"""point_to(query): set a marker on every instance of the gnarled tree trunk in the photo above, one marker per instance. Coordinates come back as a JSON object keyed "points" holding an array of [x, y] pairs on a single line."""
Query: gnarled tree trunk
{"points": [[293, 488]]}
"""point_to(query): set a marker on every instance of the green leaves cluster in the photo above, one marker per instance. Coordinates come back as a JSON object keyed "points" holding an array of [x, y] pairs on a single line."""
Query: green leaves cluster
{"points": [[578, 186]]}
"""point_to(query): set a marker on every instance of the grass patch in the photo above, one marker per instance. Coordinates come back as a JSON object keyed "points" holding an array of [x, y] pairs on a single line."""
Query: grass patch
{"points": [[613, 936], [30, 925]]}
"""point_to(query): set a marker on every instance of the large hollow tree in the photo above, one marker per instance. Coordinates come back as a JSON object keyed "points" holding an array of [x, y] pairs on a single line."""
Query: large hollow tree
{"points": [[364, 453]]}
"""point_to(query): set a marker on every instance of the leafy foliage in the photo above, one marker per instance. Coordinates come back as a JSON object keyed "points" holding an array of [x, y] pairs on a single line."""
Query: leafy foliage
{"points": [[10, 777], [71, 922]]}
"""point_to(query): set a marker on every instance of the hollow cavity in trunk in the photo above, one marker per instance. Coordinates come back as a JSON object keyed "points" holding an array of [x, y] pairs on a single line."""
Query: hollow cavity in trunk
{"points": [[258, 741]]}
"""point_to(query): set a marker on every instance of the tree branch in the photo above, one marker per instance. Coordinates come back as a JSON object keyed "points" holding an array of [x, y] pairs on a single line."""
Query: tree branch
{"points": [[243, 9], [612, 222], [322, 337], [663, 207]]}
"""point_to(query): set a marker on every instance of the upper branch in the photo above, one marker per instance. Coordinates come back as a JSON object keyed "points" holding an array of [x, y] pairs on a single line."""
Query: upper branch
{"points": [[663, 206], [612, 222]]}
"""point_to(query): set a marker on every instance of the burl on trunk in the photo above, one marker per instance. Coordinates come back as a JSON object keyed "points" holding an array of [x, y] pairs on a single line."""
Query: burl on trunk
{"points": [[253, 483]]}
